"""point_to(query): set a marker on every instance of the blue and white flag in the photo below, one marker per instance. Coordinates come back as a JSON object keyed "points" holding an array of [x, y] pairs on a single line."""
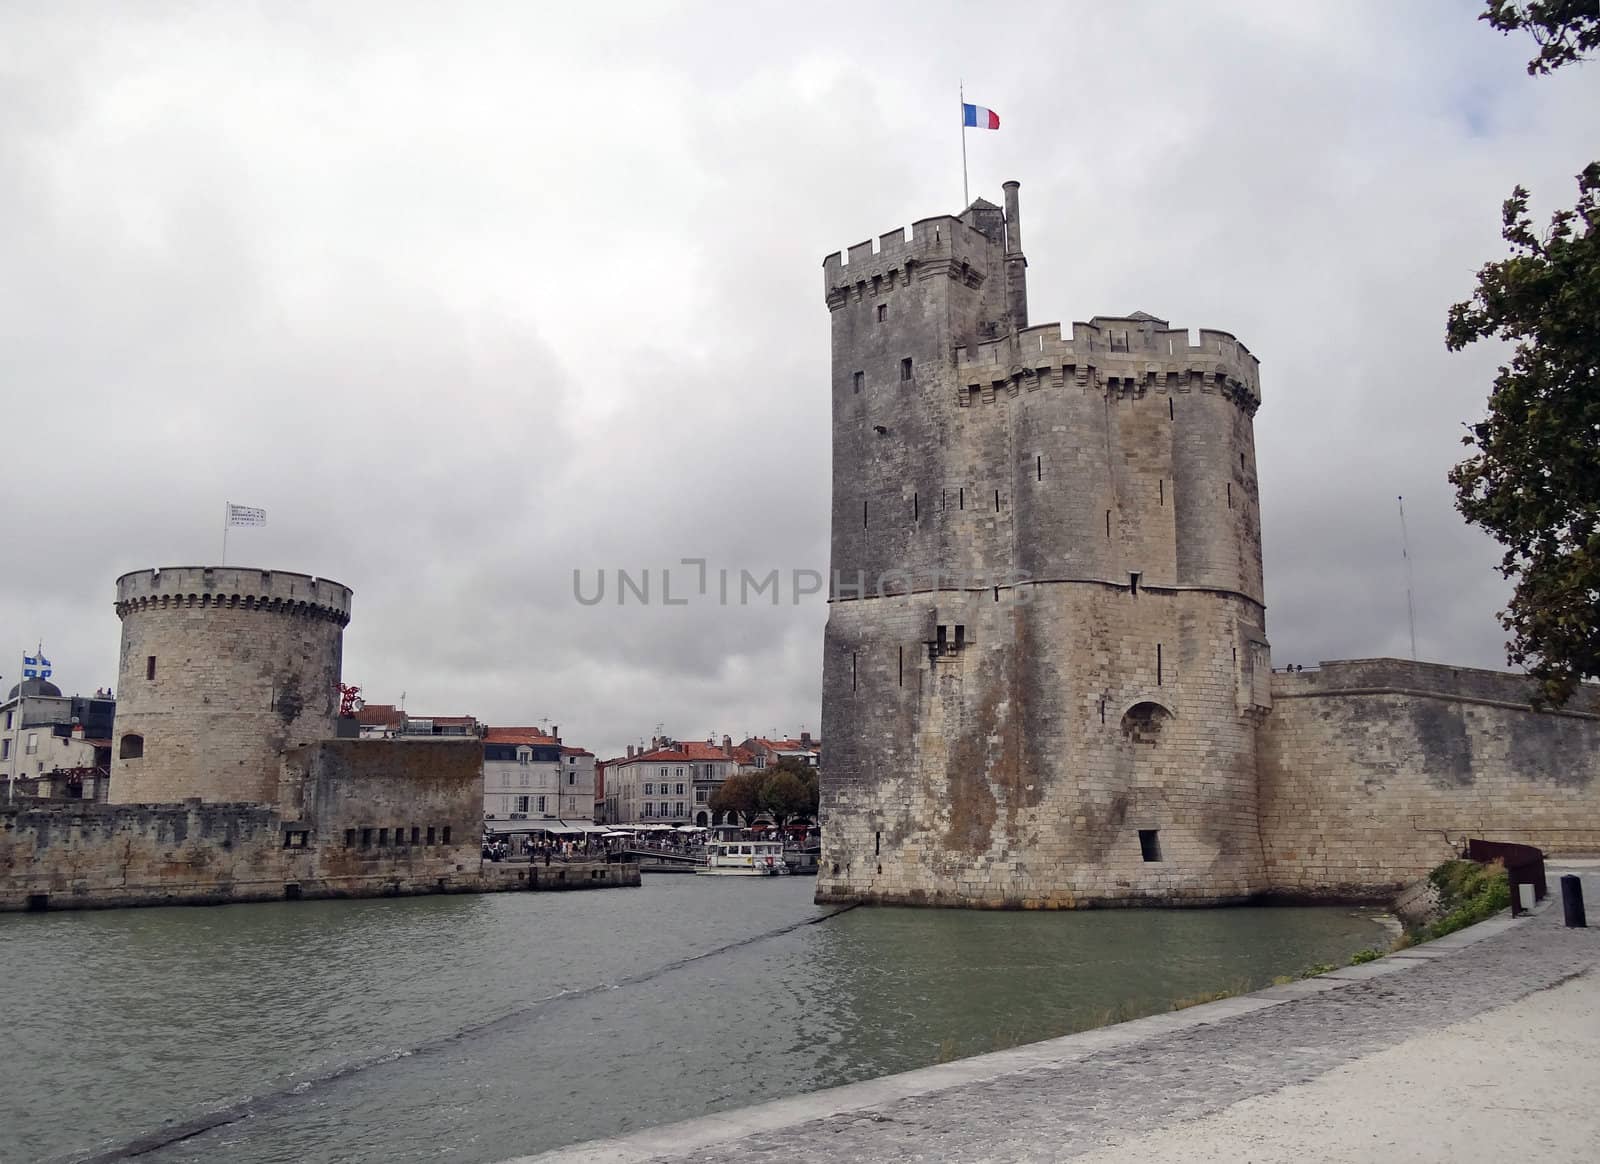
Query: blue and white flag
{"points": [[35, 667]]}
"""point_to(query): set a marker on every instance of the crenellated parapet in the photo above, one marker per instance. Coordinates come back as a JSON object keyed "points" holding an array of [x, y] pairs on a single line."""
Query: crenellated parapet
{"points": [[941, 247], [232, 588], [1120, 356]]}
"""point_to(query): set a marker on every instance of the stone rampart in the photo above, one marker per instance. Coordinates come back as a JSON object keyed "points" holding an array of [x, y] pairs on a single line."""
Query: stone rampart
{"points": [[1375, 770], [355, 818]]}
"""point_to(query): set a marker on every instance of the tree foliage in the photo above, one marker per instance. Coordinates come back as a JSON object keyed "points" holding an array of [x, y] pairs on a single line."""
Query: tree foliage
{"points": [[1563, 29], [1534, 478], [785, 791]]}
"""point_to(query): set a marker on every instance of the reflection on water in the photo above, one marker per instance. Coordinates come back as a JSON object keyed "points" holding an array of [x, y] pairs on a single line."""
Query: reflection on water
{"points": [[512, 1023]]}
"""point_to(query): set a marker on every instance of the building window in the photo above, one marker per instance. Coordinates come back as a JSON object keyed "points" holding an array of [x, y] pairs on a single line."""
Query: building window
{"points": [[649, 789], [883, 312], [430, 834], [905, 368], [700, 796], [856, 380], [349, 838], [524, 779], [383, 838], [524, 755], [678, 772], [663, 773], [541, 804], [1150, 844], [33, 744], [447, 834], [680, 811], [295, 838], [150, 667], [416, 834], [505, 780], [679, 790], [522, 804], [9, 714], [572, 778]]}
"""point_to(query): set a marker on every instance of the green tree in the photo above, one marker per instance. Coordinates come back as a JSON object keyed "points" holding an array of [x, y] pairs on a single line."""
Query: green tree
{"points": [[1533, 480], [782, 795], [736, 794], [1563, 29]]}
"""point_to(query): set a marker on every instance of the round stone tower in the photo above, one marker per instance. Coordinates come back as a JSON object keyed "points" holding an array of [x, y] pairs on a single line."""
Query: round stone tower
{"points": [[222, 671]]}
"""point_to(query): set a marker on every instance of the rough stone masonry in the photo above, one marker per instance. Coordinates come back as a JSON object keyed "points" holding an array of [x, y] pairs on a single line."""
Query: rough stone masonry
{"points": [[1047, 681]]}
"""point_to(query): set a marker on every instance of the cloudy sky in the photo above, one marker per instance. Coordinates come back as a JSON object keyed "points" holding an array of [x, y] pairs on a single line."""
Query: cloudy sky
{"points": [[471, 296]]}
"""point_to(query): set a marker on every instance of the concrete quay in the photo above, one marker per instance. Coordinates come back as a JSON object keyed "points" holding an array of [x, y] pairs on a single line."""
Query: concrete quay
{"points": [[1477, 1047]]}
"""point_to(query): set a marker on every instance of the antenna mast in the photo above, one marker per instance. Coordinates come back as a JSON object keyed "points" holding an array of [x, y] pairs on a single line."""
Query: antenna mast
{"points": [[1411, 581]]}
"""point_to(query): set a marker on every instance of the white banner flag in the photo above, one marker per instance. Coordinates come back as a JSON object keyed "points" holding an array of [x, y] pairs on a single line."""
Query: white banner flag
{"points": [[246, 515]]}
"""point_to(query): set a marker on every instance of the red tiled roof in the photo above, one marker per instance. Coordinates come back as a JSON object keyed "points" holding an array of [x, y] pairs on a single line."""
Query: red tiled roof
{"points": [[516, 735], [451, 720], [682, 754], [379, 715], [566, 751]]}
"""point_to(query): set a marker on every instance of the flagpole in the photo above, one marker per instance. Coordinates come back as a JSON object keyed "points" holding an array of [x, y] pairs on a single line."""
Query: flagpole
{"points": [[225, 506], [961, 91]]}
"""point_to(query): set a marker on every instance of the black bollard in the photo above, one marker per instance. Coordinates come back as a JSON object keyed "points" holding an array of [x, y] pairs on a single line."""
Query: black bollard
{"points": [[1572, 901]]}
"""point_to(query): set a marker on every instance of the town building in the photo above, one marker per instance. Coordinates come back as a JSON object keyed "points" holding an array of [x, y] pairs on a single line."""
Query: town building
{"points": [[385, 721], [670, 782], [528, 774], [55, 745], [765, 752]]}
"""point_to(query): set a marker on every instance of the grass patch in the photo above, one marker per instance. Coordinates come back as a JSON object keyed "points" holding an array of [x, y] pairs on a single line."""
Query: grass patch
{"points": [[1368, 955], [1319, 968], [1468, 893], [1238, 988]]}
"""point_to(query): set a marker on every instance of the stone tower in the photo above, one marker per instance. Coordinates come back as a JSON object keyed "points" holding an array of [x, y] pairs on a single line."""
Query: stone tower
{"points": [[222, 671], [1045, 657]]}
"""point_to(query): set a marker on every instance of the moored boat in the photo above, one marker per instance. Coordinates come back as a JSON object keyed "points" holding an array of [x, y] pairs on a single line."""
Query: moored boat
{"points": [[744, 859]]}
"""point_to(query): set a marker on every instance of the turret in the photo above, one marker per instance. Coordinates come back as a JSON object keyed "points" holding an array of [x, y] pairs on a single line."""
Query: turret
{"points": [[1016, 264]]}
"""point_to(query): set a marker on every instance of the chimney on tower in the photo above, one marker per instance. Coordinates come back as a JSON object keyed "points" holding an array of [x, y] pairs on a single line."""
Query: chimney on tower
{"points": [[1016, 264]]}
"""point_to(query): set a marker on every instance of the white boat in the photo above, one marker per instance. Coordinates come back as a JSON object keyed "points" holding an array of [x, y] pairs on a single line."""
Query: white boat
{"points": [[744, 859]]}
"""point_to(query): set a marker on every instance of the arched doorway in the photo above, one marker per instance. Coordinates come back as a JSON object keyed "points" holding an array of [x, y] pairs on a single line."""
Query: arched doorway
{"points": [[700, 819]]}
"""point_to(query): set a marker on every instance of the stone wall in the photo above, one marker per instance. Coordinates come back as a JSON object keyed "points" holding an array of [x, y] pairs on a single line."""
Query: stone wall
{"points": [[1375, 770], [355, 818]]}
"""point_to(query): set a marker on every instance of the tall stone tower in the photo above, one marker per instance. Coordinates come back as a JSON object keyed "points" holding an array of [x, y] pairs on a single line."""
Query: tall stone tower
{"points": [[222, 671], [1045, 654]]}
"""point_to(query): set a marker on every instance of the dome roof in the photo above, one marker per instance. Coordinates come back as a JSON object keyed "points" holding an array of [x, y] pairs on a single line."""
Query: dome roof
{"points": [[34, 687]]}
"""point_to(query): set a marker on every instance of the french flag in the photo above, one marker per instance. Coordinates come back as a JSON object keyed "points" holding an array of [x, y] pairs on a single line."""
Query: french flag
{"points": [[977, 117]]}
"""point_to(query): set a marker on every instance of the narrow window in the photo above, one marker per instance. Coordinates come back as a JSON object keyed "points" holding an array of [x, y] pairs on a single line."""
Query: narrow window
{"points": [[944, 502], [366, 838], [1170, 415], [852, 670], [877, 844], [961, 636], [863, 513], [1133, 582], [905, 368], [150, 667], [961, 497], [1102, 711], [1230, 494], [1161, 491], [1108, 523], [940, 638], [902, 666], [1150, 844], [1241, 460], [430, 834], [856, 380], [1158, 664], [916, 510], [997, 501], [446, 836], [883, 312], [1038, 468], [383, 837], [349, 838], [132, 747]]}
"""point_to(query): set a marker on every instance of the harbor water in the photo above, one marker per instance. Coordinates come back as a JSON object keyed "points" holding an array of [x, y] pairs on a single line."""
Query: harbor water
{"points": [[475, 1028]]}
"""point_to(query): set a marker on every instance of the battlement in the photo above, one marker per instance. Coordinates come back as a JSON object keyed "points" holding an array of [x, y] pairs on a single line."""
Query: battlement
{"points": [[219, 586], [1126, 354], [944, 241]]}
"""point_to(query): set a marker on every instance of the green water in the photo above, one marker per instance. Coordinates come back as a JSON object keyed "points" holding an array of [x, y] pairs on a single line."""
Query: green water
{"points": [[507, 1024]]}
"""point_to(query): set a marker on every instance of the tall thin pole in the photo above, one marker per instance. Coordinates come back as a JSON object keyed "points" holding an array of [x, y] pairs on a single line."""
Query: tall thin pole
{"points": [[225, 533], [961, 91], [1411, 581]]}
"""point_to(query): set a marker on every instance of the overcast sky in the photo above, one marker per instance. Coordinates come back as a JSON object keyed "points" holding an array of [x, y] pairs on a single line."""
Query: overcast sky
{"points": [[470, 296]]}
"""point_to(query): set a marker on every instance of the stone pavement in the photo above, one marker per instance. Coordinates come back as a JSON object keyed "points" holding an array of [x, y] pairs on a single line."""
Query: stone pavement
{"points": [[1480, 1046]]}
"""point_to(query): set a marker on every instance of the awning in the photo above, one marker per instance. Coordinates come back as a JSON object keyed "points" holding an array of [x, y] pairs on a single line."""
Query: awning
{"points": [[553, 827]]}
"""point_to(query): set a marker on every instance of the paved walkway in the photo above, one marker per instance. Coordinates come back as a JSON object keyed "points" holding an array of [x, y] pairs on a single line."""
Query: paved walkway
{"points": [[1478, 1047]]}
